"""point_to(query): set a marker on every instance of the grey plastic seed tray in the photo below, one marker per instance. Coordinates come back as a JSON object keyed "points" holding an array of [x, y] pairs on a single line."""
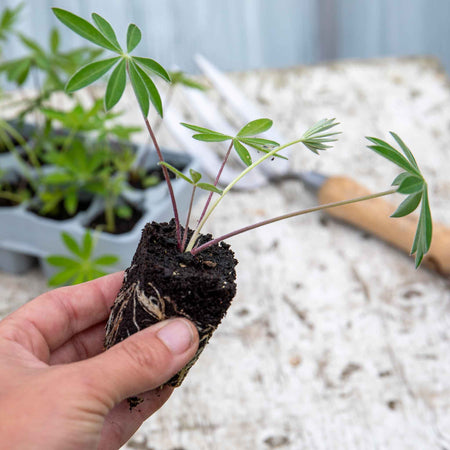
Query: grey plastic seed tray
{"points": [[26, 238]]}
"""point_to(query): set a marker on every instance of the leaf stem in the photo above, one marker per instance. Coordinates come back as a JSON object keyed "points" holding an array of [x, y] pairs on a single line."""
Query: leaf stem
{"points": [[230, 185], [169, 184], [289, 215], [188, 218], [164, 170], [216, 182]]}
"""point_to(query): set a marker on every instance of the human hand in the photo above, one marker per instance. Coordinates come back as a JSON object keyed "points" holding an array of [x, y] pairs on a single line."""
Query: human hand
{"points": [[60, 390]]}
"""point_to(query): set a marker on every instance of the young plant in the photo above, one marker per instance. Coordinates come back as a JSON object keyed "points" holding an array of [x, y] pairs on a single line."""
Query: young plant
{"points": [[319, 137], [82, 266], [193, 275]]}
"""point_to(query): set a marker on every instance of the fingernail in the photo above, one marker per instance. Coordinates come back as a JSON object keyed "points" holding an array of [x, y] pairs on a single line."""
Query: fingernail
{"points": [[177, 335]]}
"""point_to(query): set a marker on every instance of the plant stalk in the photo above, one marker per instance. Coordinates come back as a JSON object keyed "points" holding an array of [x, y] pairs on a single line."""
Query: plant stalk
{"points": [[165, 173], [186, 228], [230, 185], [216, 182], [289, 215]]}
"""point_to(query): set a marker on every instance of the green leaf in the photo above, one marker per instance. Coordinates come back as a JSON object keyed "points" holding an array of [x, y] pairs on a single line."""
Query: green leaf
{"points": [[242, 152], [179, 77], [88, 245], [176, 171], [124, 211], [71, 244], [315, 139], [262, 145], [139, 89], [153, 66], [107, 31], [405, 149], [153, 93], [81, 277], [83, 28], [116, 85], [255, 127], [210, 187], [410, 185], [90, 73], [54, 40], [71, 202], [64, 277], [134, 36], [61, 261], [106, 260], [32, 45], [259, 142], [211, 137], [202, 130], [19, 72], [195, 176], [399, 178], [393, 155], [422, 239], [408, 205], [57, 178]]}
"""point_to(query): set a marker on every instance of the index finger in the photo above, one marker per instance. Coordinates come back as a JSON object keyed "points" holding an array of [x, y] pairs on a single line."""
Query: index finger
{"points": [[54, 317]]}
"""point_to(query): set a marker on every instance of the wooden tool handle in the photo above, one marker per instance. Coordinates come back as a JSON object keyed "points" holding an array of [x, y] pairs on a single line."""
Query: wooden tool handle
{"points": [[373, 216]]}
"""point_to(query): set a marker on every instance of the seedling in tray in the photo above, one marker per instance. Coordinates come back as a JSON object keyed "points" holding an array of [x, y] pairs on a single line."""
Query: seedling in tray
{"points": [[182, 272]]}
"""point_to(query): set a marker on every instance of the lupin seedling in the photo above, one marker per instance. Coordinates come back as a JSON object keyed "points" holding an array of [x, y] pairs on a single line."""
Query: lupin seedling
{"points": [[198, 277]]}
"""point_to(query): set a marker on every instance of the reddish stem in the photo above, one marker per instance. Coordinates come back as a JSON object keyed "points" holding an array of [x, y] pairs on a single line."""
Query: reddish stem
{"points": [[169, 184], [165, 172], [215, 183], [198, 249], [186, 228]]}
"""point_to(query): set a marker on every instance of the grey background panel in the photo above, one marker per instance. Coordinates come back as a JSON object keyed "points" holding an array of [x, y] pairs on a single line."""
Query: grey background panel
{"points": [[247, 34]]}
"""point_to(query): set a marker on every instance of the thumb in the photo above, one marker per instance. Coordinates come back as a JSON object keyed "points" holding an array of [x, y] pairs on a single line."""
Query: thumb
{"points": [[143, 361]]}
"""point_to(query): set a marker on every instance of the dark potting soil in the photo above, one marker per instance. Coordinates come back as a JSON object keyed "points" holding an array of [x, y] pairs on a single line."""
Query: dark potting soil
{"points": [[122, 225], [16, 186], [137, 181], [163, 282], [60, 212]]}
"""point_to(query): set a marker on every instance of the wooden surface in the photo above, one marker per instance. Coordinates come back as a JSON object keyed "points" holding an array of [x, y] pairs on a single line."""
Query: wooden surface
{"points": [[334, 341]]}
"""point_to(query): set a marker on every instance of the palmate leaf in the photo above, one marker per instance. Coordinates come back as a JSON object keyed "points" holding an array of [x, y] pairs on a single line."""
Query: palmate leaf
{"points": [[414, 186], [316, 139], [82, 267], [84, 29]]}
